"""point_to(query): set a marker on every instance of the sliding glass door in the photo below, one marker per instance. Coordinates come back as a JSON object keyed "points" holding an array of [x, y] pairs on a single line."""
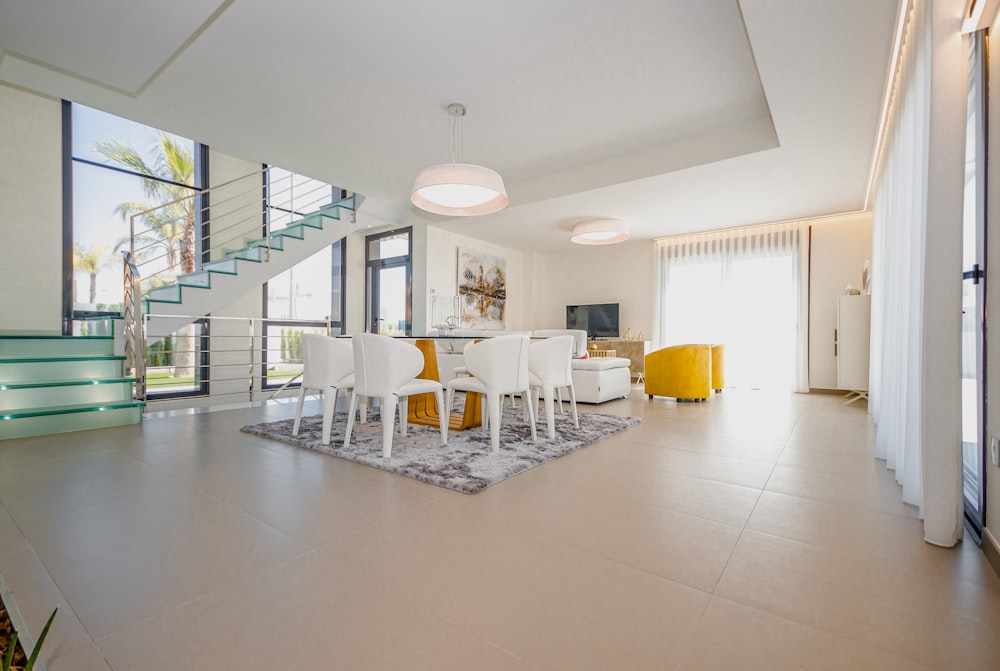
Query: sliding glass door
{"points": [[973, 291]]}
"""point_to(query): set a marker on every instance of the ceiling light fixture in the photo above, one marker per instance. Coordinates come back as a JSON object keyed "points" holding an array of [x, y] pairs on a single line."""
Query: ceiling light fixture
{"points": [[458, 189], [600, 232]]}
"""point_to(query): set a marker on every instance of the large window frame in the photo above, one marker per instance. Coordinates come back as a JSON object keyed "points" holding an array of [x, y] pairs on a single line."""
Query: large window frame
{"points": [[334, 324], [201, 224]]}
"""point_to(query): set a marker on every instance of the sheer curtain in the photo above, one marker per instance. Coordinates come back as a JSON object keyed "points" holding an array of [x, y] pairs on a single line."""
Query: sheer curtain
{"points": [[744, 288], [916, 270], [897, 270]]}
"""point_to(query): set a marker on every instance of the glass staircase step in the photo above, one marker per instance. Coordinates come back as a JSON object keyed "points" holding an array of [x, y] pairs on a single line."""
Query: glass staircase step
{"points": [[54, 369], [315, 219], [170, 293], [199, 278], [48, 346], [227, 266], [75, 417], [65, 392], [255, 253], [296, 231]]}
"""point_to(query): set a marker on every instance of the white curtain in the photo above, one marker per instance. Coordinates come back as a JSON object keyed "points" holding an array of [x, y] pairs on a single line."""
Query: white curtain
{"points": [[897, 269], [910, 388], [744, 288]]}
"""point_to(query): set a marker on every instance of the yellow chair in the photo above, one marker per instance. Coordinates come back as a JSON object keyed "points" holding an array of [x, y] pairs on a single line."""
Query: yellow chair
{"points": [[718, 367], [683, 372]]}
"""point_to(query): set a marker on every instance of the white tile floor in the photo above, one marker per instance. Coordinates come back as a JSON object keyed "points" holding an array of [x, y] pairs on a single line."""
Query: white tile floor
{"points": [[755, 531]]}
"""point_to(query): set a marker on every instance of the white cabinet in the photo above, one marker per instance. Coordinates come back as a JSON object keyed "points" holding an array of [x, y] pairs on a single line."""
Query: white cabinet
{"points": [[851, 342]]}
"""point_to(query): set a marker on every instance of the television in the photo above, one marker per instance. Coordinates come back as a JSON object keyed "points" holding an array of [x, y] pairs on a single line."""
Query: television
{"points": [[599, 320]]}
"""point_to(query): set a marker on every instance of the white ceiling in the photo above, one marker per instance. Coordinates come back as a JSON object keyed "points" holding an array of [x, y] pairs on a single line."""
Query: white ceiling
{"points": [[674, 115]]}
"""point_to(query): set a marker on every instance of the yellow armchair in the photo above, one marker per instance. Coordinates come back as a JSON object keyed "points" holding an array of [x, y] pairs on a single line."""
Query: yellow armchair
{"points": [[683, 372], [718, 367]]}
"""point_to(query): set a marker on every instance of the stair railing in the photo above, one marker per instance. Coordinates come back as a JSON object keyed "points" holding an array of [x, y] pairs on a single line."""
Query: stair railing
{"points": [[242, 209], [134, 327]]}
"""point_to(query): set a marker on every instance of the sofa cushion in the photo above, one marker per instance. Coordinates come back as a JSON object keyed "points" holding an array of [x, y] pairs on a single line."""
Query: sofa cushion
{"points": [[601, 363]]}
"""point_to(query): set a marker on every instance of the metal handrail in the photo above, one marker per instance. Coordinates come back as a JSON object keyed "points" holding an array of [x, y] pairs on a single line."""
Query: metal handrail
{"points": [[242, 226], [134, 326], [247, 369]]}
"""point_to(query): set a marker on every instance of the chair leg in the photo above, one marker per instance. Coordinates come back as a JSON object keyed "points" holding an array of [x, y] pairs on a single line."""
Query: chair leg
{"points": [[550, 410], [559, 400], [350, 418], [298, 411], [572, 404], [404, 402], [388, 419], [329, 404], [364, 410], [493, 401], [531, 416], [444, 414]]}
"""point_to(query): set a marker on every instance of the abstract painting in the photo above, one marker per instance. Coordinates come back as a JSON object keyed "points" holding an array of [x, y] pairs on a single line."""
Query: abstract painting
{"points": [[482, 288]]}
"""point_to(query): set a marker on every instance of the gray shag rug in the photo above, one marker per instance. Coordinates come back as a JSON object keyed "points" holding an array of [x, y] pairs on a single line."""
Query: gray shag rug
{"points": [[467, 463]]}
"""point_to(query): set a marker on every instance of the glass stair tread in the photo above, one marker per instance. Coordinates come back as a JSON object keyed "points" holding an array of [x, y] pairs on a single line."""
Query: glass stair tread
{"points": [[27, 335], [23, 413], [45, 359], [65, 383]]}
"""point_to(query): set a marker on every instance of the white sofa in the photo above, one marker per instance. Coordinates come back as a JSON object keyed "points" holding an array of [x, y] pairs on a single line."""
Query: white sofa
{"points": [[595, 380]]}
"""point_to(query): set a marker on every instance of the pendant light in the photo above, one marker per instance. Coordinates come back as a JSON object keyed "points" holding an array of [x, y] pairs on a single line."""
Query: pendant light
{"points": [[458, 189]]}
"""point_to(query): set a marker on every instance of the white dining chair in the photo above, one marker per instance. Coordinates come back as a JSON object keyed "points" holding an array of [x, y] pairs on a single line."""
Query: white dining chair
{"points": [[498, 366], [387, 369], [550, 367], [327, 367]]}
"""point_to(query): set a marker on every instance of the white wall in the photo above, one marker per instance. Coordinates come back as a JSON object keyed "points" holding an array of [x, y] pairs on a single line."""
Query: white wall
{"points": [[441, 273], [838, 250], [620, 273], [30, 211]]}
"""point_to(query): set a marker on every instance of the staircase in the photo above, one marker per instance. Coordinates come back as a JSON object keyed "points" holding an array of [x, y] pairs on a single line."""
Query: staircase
{"points": [[53, 384], [219, 282]]}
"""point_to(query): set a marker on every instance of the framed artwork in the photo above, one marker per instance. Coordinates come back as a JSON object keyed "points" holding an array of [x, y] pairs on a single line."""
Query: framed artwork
{"points": [[482, 289]]}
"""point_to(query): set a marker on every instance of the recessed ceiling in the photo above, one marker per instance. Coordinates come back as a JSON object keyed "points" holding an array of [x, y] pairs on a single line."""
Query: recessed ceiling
{"points": [[675, 116]]}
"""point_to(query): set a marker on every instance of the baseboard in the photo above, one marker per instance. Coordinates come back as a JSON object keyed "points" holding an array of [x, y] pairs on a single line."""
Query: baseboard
{"points": [[991, 548]]}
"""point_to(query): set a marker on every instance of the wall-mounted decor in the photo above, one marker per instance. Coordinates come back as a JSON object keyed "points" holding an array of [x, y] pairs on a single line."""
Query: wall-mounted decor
{"points": [[482, 287]]}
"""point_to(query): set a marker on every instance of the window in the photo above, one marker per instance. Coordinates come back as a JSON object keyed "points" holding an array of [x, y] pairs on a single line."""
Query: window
{"points": [[115, 169], [388, 282], [741, 288], [309, 297], [120, 168]]}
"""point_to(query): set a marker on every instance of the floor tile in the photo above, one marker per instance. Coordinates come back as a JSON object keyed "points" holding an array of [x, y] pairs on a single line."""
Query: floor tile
{"points": [[873, 603], [755, 530], [868, 494], [733, 636]]}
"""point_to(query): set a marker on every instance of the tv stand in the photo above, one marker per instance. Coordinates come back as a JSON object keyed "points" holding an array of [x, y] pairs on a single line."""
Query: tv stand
{"points": [[633, 350]]}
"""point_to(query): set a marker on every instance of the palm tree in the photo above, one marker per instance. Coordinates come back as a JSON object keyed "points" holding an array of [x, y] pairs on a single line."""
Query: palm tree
{"points": [[90, 261], [170, 227]]}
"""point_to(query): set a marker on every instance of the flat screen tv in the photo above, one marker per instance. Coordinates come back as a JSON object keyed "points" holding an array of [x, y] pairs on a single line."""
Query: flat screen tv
{"points": [[599, 320]]}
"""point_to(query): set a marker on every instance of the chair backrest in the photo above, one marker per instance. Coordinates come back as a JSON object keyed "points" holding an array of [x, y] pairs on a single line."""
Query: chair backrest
{"points": [[501, 362], [579, 338], [551, 359], [325, 360], [383, 364]]}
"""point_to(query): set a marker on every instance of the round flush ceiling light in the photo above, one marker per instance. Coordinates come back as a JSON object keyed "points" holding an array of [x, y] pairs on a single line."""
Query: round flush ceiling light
{"points": [[600, 232]]}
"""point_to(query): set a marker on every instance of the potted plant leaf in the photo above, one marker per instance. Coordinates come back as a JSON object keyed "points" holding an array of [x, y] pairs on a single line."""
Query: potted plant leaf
{"points": [[13, 649]]}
